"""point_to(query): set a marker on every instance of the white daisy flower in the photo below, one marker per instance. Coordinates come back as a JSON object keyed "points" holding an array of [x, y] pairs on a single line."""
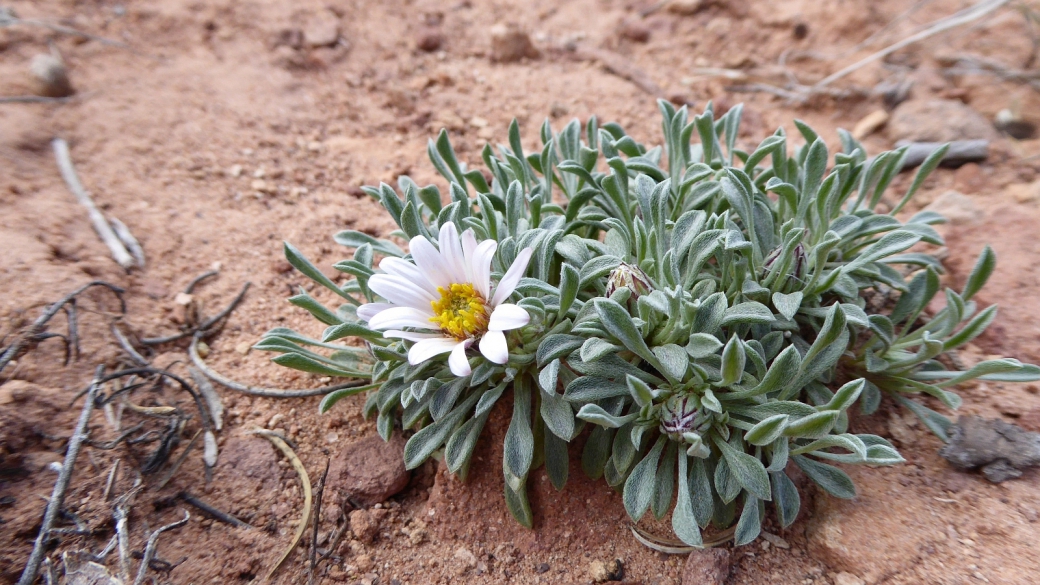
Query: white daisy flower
{"points": [[447, 296]]}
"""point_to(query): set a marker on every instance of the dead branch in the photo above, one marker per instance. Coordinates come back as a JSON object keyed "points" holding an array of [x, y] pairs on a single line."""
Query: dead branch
{"points": [[101, 226], [317, 521], [975, 12], [149, 549], [206, 328], [31, 334], [35, 99], [213, 512], [193, 353], [128, 239], [124, 343], [121, 513], [79, 435], [180, 460], [305, 482]]}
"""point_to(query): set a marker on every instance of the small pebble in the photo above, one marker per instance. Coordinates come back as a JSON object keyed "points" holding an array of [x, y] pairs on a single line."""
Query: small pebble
{"points": [[542, 568], [49, 77]]}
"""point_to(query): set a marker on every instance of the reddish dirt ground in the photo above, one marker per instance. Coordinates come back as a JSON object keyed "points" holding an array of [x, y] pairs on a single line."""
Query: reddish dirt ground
{"points": [[218, 136]]}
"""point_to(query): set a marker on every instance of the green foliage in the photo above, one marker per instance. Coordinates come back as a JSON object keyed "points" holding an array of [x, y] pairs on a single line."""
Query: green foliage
{"points": [[692, 307]]}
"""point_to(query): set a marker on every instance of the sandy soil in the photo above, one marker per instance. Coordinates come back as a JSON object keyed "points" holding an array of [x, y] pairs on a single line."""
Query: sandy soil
{"points": [[222, 133]]}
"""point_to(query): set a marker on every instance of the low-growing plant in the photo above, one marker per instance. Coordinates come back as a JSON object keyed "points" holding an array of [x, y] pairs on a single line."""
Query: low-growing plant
{"points": [[706, 315]]}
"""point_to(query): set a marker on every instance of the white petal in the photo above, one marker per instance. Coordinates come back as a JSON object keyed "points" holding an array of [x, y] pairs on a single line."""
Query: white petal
{"points": [[367, 311], [512, 277], [409, 271], [398, 317], [411, 335], [493, 346], [429, 261], [469, 249], [451, 252], [457, 360], [506, 317], [427, 348], [480, 265], [400, 291]]}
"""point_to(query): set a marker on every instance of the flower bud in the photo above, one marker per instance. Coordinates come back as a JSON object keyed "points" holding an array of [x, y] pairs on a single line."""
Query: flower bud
{"points": [[798, 267], [630, 276], [678, 415]]}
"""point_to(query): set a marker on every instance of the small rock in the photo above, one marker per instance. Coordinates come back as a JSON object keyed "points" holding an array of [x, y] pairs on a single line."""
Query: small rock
{"points": [[250, 457], [958, 208], [465, 556], [368, 472], [775, 540], [1013, 125], [634, 30], [709, 566], [938, 121], [600, 571], [1025, 192], [509, 43], [49, 77], [429, 40], [1001, 449], [800, 31], [870, 124], [235, 171], [364, 524], [322, 30], [844, 578], [686, 7], [244, 347], [542, 568]]}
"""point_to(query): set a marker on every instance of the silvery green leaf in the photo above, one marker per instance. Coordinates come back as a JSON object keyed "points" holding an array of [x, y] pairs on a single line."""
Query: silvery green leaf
{"points": [[558, 416], [710, 314], [783, 369], [733, 360], [557, 345], [890, 243], [519, 507], [354, 329], [973, 329], [850, 443], [767, 430], [684, 523], [785, 498], [430, 438], [595, 348], [639, 488], [301, 263], [702, 345], [750, 312], [846, 395], [781, 449], [595, 414], [597, 450], [726, 486], [618, 322], [787, 304], [488, 399], [746, 469], [812, 426], [871, 398], [593, 388], [444, 398], [518, 448], [557, 460], [833, 480], [639, 390], [355, 239], [980, 273], [549, 376], [750, 524], [701, 492], [569, 279], [1002, 370], [710, 402], [673, 359], [459, 448], [664, 482], [697, 448]]}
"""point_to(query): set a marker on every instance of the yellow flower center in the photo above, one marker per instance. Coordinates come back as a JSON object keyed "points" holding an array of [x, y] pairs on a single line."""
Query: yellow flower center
{"points": [[461, 311]]}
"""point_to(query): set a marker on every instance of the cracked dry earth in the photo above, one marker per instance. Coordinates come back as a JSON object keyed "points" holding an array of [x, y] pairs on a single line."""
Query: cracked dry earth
{"points": [[231, 126]]}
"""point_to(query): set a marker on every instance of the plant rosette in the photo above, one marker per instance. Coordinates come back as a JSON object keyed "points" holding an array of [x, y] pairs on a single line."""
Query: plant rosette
{"points": [[689, 307]]}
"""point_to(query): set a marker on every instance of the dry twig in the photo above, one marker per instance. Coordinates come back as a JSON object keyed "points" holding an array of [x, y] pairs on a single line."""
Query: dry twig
{"points": [[79, 435], [213, 512], [101, 226], [317, 521], [149, 549], [306, 483]]}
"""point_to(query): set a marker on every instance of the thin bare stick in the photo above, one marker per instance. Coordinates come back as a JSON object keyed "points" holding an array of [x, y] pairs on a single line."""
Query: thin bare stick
{"points": [[213, 512], [317, 521], [120, 513], [306, 483], [68, 172], [193, 352], [149, 549], [124, 343], [206, 328], [180, 460], [111, 480], [128, 239], [195, 281], [963, 17], [34, 99], [79, 435], [16, 347]]}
